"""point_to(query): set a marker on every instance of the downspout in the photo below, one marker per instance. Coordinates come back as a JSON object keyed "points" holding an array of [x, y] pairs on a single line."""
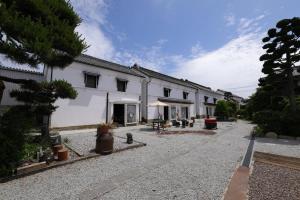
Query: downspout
{"points": [[106, 119]]}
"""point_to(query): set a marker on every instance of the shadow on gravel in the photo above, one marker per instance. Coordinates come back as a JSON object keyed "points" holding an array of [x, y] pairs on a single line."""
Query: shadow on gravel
{"points": [[277, 141]]}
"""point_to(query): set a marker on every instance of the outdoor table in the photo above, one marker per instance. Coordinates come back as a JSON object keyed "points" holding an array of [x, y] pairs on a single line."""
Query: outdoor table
{"points": [[159, 123]]}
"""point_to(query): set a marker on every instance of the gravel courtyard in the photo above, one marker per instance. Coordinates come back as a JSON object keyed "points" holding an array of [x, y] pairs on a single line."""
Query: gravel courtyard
{"points": [[186, 166]]}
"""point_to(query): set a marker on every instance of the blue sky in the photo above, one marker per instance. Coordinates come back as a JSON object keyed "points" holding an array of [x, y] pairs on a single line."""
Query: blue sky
{"points": [[214, 43]]}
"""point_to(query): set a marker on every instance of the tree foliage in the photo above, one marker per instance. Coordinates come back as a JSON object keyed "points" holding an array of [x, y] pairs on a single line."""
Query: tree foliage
{"points": [[225, 109], [282, 58], [37, 31], [42, 96], [14, 124]]}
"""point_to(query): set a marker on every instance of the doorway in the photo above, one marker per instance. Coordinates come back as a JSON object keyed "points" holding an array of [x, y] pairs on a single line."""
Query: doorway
{"points": [[186, 112], [119, 112], [166, 112]]}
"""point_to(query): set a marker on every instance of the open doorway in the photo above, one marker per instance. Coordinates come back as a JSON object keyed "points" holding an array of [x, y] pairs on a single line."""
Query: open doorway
{"points": [[119, 112], [166, 112]]}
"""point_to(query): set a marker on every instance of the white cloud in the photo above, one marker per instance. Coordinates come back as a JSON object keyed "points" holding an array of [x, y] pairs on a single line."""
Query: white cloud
{"points": [[91, 10], [249, 25], [100, 45], [150, 57], [93, 14], [230, 20], [233, 65]]}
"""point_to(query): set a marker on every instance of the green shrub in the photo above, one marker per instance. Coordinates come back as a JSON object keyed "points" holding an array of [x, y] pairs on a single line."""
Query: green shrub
{"points": [[221, 110], [268, 120], [29, 150], [13, 125], [258, 131], [290, 122]]}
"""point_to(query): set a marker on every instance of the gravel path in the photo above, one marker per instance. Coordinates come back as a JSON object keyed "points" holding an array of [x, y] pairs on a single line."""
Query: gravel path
{"points": [[274, 183], [84, 142], [184, 166], [278, 146]]}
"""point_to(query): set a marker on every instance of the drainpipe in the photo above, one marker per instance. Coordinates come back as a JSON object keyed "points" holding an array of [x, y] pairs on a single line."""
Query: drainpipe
{"points": [[107, 107]]}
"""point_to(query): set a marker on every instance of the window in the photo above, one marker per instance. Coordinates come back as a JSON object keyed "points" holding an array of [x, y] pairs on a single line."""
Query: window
{"points": [[215, 100], [121, 85], [91, 80], [205, 99], [173, 112], [185, 95], [167, 92]]}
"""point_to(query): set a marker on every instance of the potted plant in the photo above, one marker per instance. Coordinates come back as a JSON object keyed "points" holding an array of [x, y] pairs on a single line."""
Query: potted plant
{"points": [[105, 140]]}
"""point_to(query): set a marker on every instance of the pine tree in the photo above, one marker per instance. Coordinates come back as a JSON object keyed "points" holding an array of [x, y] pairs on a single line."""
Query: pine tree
{"points": [[282, 58], [39, 32]]}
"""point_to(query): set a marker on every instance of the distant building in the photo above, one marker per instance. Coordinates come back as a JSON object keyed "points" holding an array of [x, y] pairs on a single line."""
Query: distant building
{"points": [[177, 94], [239, 100], [109, 92]]}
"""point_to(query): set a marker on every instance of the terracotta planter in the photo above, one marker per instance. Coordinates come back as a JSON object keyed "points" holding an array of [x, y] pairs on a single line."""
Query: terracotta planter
{"points": [[102, 130], [56, 148], [104, 144], [63, 154]]}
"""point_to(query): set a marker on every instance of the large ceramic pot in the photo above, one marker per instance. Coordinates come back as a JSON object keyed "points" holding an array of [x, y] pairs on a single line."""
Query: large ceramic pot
{"points": [[104, 143], [210, 123], [102, 130]]}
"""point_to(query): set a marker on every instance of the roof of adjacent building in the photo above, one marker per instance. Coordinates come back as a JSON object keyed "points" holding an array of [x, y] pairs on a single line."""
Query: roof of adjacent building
{"points": [[24, 70], [97, 62], [234, 95], [157, 75]]}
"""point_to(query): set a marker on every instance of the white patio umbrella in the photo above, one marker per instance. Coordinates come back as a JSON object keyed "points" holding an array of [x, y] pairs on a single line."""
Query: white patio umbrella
{"points": [[158, 104]]}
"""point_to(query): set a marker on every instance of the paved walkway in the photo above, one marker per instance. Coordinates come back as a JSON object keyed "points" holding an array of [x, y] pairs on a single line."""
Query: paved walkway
{"points": [[185, 166]]}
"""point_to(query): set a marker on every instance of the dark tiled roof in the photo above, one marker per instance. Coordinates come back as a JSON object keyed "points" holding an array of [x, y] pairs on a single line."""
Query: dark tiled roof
{"points": [[86, 59], [199, 86], [24, 70], [164, 77]]}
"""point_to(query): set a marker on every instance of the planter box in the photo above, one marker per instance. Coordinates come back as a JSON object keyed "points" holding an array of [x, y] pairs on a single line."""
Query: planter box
{"points": [[30, 168], [210, 123]]}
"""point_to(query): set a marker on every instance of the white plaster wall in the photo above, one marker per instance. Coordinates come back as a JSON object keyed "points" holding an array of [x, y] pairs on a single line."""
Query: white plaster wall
{"points": [[155, 90], [90, 105], [211, 95]]}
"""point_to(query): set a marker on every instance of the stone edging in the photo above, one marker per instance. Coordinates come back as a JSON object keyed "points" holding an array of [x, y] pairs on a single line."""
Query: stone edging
{"points": [[63, 163]]}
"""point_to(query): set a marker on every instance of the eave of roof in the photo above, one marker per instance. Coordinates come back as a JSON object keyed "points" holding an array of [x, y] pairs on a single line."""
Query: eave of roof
{"points": [[172, 100], [157, 75], [97, 62]]}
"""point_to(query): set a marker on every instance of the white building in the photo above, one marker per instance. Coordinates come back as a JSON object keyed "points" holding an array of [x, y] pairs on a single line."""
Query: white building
{"points": [[107, 92], [110, 92], [176, 93], [239, 100], [206, 100]]}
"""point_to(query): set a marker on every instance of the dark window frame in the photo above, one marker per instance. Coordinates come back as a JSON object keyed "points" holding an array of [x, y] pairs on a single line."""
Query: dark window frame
{"points": [[206, 99], [185, 95], [167, 92], [122, 88], [88, 75], [215, 100]]}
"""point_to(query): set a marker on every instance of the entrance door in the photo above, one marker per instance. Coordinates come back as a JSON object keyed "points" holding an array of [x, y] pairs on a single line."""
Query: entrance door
{"points": [[166, 112], [119, 113], [186, 112]]}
